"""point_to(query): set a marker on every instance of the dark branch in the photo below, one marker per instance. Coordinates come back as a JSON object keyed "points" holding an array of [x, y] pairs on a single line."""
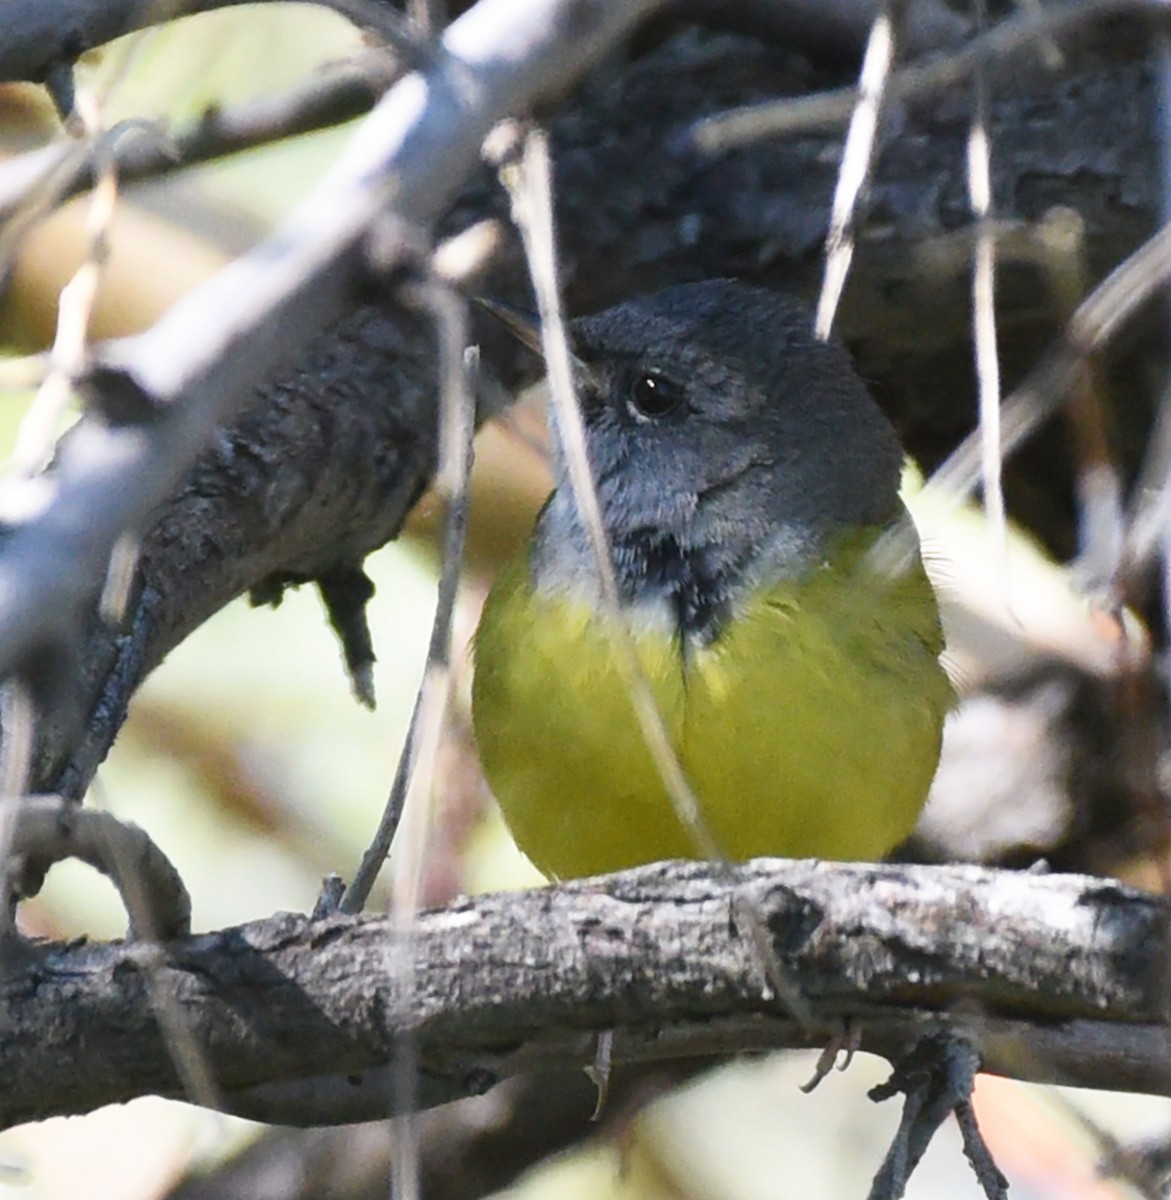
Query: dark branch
{"points": [[157, 397], [1058, 978], [144, 151]]}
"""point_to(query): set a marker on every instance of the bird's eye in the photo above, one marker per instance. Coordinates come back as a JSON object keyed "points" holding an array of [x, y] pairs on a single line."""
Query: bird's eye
{"points": [[653, 396]]}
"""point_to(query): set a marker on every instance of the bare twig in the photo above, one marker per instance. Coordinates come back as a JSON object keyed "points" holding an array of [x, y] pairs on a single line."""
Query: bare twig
{"points": [[414, 778], [984, 302], [532, 192], [533, 211], [1100, 487], [857, 160], [41, 424], [144, 150], [1015, 35], [1097, 319], [420, 754], [1113, 302]]}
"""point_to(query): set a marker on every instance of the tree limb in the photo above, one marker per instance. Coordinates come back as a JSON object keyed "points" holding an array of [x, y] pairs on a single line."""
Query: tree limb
{"points": [[1058, 978], [155, 398]]}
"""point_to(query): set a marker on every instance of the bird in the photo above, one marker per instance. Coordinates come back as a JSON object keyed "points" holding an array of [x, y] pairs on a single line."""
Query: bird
{"points": [[744, 476]]}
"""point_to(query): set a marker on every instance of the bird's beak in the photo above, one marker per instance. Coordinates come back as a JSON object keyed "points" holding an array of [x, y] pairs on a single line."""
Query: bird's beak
{"points": [[525, 326], [522, 324]]}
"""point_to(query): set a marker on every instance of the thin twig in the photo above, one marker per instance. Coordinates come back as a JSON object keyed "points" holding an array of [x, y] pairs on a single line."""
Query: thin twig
{"points": [[1164, 127], [413, 777], [1101, 553], [411, 800], [1149, 515], [858, 156], [18, 722], [20, 491], [158, 909], [427, 16], [146, 149], [984, 302], [826, 110], [532, 194], [1097, 319], [457, 425], [40, 425]]}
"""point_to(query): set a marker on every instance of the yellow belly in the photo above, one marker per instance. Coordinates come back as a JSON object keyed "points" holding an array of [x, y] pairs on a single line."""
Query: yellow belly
{"points": [[810, 728]]}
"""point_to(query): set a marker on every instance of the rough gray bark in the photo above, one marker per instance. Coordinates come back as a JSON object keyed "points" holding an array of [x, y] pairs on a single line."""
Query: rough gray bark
{"points": [[1059, 978]]}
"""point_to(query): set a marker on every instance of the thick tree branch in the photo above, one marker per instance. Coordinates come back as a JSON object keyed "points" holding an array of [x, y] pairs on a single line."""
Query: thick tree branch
{"points": [[157, 397], [1058, 978]]}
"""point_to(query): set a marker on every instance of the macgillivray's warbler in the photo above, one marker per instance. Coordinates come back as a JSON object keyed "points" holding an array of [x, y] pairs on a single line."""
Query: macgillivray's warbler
{"points": [[743, 473]]}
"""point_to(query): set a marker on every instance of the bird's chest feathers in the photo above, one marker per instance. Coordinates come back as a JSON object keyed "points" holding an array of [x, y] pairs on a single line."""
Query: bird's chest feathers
{"points": [[809, 726], [781, 649]]}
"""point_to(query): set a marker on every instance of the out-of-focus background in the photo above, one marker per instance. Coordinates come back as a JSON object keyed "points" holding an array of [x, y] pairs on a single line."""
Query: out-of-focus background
{"points": [[247, 760]]}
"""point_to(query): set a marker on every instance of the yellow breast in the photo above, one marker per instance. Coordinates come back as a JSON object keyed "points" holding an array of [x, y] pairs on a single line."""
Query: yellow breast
{"points": [[809, 728]]}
